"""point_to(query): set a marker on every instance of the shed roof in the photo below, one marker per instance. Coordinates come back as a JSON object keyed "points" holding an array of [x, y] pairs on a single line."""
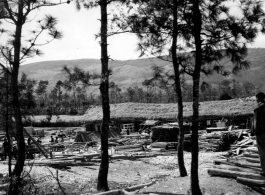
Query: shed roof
{"points": [[144, 111]]}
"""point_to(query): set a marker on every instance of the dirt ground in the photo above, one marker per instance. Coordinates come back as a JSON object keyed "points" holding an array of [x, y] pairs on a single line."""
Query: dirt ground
{"points": [[162, 169]]}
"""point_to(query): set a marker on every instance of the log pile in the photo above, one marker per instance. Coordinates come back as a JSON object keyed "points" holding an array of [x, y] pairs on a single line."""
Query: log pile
{"points": [[245, 168], [216, 141], [165, 133], [64, 155], [247, 142], [223, 140]]}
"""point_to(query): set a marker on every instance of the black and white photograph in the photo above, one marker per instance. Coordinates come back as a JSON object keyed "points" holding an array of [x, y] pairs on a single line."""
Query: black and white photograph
{"points": [[132, 97]]}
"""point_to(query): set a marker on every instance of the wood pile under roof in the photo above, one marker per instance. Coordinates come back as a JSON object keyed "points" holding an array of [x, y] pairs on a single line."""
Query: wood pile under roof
{"points": [[143, 111]]}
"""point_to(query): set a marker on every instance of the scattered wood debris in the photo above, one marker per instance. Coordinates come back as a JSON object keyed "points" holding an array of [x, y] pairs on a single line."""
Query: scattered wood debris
{"points": [[224, 140], [242, 163]]}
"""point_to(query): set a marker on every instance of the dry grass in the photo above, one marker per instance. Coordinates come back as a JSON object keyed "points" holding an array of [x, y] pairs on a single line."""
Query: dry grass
{"points": [[144, 111]]}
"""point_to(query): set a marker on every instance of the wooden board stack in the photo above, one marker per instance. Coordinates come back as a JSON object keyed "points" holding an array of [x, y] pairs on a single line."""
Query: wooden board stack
{"points": [[245, 168]]}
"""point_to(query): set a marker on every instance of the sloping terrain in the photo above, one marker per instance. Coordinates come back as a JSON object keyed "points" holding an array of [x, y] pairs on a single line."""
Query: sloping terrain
{"points": [[134, 72]]}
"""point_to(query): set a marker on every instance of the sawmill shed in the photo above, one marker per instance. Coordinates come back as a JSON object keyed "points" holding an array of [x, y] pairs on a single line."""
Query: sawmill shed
{"points": [[234, 112]]}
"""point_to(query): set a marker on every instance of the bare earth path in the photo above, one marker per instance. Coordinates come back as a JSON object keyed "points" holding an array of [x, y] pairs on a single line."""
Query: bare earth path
{"points": [[163, 169]]}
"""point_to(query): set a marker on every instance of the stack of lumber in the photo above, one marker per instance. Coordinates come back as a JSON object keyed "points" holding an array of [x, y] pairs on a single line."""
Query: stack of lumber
{"points": [[130, 140], [122, 141], [164, 134], [129, 148], [62, 161], [214, 129], [222, 140], [162, 146], [210, 141], [245, 169]]}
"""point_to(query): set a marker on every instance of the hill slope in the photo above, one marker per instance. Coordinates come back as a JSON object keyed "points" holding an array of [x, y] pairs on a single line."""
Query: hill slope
{"points": [[134, 72]]}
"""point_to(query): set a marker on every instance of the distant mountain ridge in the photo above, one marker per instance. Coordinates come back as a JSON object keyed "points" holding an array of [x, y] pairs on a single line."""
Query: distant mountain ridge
{"points": [[133, 72]]}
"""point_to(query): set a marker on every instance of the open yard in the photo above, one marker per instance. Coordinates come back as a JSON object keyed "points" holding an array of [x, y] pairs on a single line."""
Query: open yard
{"points": [[162, 169]]}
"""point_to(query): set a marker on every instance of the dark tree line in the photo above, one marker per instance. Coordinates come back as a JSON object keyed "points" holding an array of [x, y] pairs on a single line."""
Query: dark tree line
{"points": [[64, 99]]}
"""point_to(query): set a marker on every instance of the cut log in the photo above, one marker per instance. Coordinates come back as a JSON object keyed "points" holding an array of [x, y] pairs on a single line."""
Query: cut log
{"points": [[235, 168], [131, 150], [128, 147], [253, 160], [210, 137], [258, 189], [48, 163], [251, 182], [208, 143], [254, 150], [160, 193], [251, 155], [255, 166], [234, 174], [131, 136], [123, 140], [239, 135], [238, 151], [214, 141], [242, 142], [119, 157], [145, 156], [159, 145], [112, 192], [126, 190], [247, 142], [137, 187], [235, 146]]}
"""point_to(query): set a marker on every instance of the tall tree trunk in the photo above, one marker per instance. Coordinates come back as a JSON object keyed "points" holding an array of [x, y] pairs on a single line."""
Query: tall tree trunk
{"points": [[182, 169], [75, 106], [14, 85], [195, 188], [104, 89], [7, 122], [14, 186]]}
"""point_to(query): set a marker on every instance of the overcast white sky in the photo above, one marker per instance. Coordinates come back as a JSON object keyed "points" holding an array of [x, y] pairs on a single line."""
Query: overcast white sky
{"points": [[79, 29]]}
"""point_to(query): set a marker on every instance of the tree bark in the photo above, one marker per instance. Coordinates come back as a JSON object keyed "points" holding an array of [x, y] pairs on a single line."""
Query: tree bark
{"points": [[15, 92], [14, 187], [104, 89], [195, 188], [182, 169], [7, 123]]}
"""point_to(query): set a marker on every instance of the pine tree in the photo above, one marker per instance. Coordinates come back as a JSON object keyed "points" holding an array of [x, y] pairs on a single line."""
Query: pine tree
{"points": [[159, 24], [218, 34], [14, 52]]}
